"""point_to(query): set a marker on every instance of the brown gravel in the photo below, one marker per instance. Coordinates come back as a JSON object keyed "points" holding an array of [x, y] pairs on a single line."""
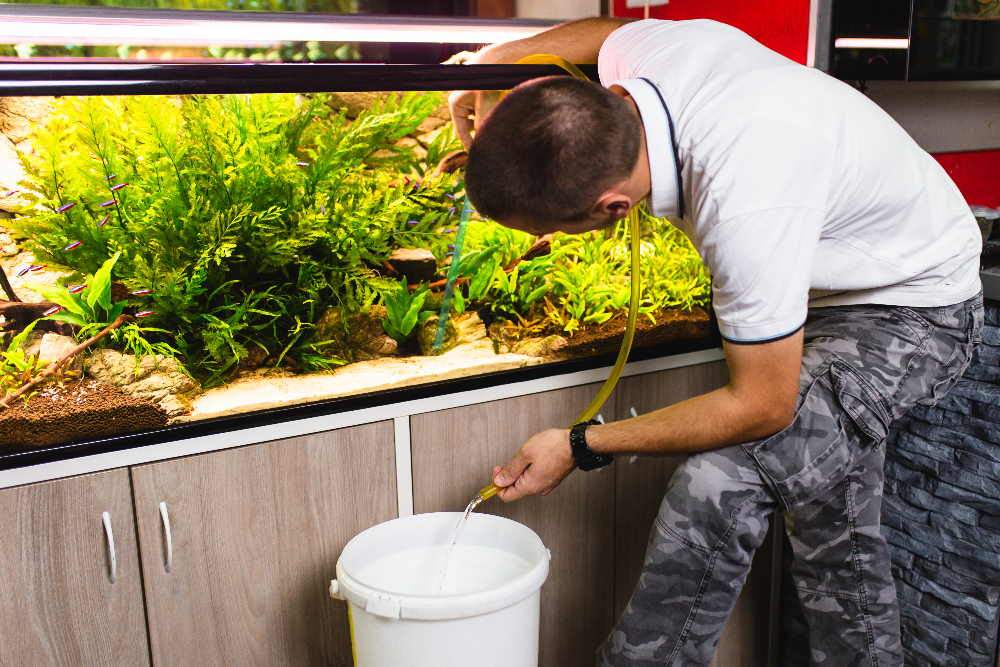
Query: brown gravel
{"points": [[75, 411]]}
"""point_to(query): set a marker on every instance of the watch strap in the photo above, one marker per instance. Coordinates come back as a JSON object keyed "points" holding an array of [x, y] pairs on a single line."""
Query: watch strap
{"points": [[586, 458]]}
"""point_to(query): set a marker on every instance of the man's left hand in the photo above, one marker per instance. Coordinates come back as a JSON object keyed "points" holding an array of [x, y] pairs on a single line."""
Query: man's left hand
{"points": [[538, 467]]}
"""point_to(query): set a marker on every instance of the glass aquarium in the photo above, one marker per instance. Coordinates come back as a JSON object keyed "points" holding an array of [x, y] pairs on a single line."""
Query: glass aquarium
{"points": [[173, 259]]}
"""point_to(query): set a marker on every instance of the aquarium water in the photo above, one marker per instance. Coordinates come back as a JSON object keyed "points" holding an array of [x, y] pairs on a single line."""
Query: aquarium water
{"points": [[445, 569]]}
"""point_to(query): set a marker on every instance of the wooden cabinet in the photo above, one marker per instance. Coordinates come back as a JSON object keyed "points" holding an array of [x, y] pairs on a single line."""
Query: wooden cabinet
{"points": [[639, 486], [58, 602], [255, 533], [454, 452], [238, 546]]}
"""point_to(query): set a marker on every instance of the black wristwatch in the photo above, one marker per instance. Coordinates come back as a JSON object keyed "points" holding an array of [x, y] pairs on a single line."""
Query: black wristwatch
{"points": [[585, 457]]}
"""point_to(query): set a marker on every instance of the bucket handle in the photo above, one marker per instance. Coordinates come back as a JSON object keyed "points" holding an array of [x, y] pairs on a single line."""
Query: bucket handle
{"points": [[385, 606]]}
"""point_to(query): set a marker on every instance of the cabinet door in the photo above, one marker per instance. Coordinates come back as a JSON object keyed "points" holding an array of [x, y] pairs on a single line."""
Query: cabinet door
{"points": [[58, 603], [640, 485], [255, 534], [454, 452]]}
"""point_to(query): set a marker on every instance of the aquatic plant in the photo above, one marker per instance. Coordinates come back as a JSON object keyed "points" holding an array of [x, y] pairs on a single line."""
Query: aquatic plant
{"points": [[403, 309], [248, 216], [90, 307], [584, 280], [17, 366]]}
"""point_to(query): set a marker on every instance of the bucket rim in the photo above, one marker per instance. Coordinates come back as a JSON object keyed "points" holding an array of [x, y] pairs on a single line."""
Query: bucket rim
{"points": [[390, 604]]}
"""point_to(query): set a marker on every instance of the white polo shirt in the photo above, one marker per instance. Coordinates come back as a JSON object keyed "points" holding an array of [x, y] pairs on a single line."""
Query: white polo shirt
{"points": [[798, 190]]}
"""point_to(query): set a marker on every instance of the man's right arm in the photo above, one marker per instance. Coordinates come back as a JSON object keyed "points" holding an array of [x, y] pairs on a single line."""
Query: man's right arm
{"points": [[579, 42]]}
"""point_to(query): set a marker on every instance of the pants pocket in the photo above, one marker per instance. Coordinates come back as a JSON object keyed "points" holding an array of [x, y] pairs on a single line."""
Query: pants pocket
{"points": [[839, 418]]}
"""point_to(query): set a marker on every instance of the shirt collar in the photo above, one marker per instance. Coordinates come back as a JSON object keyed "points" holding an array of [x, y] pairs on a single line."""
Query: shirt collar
{"points": [[664, 196]]}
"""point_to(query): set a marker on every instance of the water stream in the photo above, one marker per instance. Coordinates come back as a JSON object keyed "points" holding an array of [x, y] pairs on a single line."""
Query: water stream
{"points": [[455, 534]]}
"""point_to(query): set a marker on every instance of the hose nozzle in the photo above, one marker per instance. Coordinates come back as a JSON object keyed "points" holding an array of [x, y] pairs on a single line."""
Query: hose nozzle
{"points": [[488, 492]]}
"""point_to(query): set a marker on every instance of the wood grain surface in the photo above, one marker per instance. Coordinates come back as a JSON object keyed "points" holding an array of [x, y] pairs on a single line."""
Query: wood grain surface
{"points": [[256, 536], [58, 605]]}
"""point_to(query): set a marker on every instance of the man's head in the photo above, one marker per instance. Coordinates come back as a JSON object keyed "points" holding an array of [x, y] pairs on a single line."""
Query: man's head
{"points": [[556, 154]]}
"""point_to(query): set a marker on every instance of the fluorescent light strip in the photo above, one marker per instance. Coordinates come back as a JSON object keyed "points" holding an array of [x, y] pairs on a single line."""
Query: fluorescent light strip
{"points": [[93, 31], [872, 43]]}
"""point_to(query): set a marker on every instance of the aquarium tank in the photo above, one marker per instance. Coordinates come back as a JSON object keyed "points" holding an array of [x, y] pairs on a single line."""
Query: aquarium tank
{"points": [[169, 259]]}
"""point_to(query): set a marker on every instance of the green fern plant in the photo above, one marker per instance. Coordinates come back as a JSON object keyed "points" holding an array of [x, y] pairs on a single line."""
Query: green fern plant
{"points": [[403, 309], [247, 216]]}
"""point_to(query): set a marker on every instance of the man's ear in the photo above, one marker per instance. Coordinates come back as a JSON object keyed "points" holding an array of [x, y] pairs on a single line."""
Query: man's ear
{"points": [[613, 204]]}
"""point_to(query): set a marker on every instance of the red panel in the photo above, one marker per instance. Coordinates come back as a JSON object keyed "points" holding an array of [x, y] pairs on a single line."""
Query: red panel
{"points": [[977, 174], [782, 25]]}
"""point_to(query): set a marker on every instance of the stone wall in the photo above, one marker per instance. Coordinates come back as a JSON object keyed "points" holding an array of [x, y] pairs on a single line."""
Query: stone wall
{"points": [[941, 516]]}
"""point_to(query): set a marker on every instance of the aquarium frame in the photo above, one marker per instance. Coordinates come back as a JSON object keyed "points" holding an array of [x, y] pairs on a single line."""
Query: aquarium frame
{"points": [[27, 466], [104, 26], [56, 77]]}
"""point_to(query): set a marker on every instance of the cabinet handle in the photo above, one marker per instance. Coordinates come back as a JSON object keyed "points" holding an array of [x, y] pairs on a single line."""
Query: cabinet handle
{"points": [[633, 413], [167, 537], [110, 537]]}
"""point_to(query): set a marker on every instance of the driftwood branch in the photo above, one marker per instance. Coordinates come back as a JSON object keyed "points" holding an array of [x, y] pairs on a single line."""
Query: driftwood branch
{"points": [[7, 287], [56, 367], [18, 315]]}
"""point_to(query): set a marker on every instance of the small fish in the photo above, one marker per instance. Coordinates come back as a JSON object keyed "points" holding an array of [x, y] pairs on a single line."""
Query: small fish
{"points": [[10, 193], [145, 313], [451, 246], [119, 186], [73, 246], [66, 207], [106, 204], [412, 223], [451, 210], [104, 221], [36, 267], [52, 311], [75, 289], [301, 164], [23, 271], [112, 177], [449, 195], [142, 292], [448, 231]]}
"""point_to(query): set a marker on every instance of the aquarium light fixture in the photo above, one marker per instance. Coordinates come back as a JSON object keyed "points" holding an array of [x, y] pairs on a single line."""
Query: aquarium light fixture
{"points": [[900, 43], [20, 24]]}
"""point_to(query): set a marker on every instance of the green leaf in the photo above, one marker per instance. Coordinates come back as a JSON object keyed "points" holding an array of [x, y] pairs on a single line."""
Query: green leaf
{"points": [[410, 319], [61, 297], [536, 294], [69, 318], [99, 286], [481, 281]]}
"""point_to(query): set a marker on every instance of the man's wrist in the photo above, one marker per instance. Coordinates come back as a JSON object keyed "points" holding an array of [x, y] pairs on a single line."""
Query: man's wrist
{"points": [[597, 438], [585, 457]]}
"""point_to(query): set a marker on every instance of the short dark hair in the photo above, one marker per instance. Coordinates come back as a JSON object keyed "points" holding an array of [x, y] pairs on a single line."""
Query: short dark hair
{"points": [[549, 149]]}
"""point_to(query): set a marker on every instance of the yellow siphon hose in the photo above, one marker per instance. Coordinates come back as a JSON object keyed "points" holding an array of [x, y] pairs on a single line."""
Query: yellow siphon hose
{"points": [[604, 392]]}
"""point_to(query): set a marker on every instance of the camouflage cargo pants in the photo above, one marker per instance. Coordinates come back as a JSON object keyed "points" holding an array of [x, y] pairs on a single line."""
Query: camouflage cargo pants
{"points": [[863, 367]]}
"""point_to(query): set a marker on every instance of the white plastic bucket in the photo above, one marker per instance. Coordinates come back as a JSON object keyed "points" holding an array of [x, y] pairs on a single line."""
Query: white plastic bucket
{"points": [[496, 625]]}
